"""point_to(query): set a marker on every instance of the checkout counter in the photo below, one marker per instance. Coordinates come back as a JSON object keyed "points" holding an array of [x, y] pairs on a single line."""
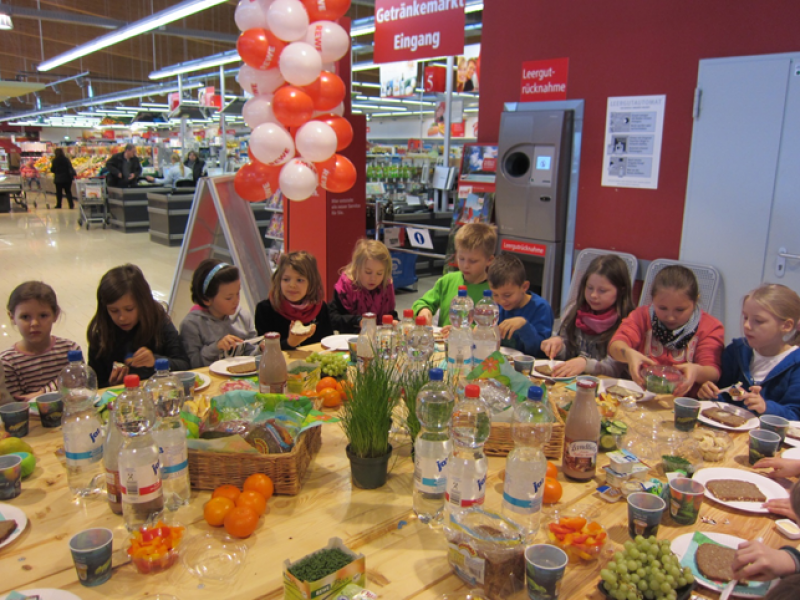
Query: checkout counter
{"points": [[128, 207]]}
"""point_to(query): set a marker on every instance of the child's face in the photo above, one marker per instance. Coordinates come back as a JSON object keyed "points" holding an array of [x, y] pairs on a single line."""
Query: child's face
{"points": [[294, 286], [510, 295], [371, 274], [34, 319], [124, 312], [673, 307], [473, 265], [225, 303], [600, 294], [761, 328]]}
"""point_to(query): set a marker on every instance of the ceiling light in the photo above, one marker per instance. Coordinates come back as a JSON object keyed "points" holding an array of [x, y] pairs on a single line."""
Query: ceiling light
{"points": [[472, 7], [215, 60], [367, 106], [365, 29], [6, 24], [154, 21], [364, 66], [367, 85]]}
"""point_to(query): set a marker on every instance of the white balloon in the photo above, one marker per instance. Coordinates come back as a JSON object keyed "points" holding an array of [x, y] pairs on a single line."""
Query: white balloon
{"points": [[259, 82], [315, 141], [300, 64], [271, 144], [288, 20], [251, 13], [339, 110], [298, 179], [258, 110], [329, 67], [329, 39]]}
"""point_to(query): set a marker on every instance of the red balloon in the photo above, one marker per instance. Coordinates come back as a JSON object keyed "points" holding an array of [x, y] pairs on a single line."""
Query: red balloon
{"points": [[327, 91], [342, 128], [255, 182], [325, 10], [292, 106], [338, 178], [259, 48]]}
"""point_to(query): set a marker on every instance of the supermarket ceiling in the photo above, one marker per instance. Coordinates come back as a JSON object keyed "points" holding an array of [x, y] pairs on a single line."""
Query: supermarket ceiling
{"points": [[44, 29]]}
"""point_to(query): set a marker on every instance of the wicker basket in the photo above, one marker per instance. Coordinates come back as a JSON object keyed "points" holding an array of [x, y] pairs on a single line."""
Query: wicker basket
{"points": [[500, 442], [208, 470]]}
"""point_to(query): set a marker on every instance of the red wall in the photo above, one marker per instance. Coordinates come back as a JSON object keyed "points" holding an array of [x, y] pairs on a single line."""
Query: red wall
{"points": [[626, 48]]}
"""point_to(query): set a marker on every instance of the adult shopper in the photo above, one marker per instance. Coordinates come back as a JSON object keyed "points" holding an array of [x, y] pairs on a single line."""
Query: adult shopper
{"points": [[172, 174], [63, 175], [195, 165], [124, 168]]}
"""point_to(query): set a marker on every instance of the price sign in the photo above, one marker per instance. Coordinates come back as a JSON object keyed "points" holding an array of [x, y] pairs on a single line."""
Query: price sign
{"points": [[420, 238]]}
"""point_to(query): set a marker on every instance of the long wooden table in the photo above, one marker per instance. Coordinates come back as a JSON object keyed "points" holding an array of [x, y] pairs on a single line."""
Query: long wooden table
{"points": [[405, 559]]}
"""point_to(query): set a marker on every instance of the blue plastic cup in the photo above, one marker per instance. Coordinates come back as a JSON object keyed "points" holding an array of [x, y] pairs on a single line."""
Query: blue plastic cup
{"points": [[91, 552]]}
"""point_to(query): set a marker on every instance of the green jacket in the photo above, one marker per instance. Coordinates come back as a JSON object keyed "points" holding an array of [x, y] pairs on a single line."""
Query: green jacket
{"points": [[441, 295]]}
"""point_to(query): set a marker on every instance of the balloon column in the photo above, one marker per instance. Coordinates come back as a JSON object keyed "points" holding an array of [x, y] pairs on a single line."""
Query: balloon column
{"points": [[288, 48]]}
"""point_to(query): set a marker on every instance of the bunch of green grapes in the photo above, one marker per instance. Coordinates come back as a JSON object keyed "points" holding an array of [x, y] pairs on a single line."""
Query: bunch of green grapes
{"points": [[332, 364], [647, 569]]}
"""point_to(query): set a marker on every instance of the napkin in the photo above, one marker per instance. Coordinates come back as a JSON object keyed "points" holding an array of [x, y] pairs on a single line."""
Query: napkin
{"points": [[15, 596]]}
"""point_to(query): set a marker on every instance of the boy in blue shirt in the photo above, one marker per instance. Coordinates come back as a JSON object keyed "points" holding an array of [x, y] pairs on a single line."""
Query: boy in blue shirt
{"points": [[526, 320]]}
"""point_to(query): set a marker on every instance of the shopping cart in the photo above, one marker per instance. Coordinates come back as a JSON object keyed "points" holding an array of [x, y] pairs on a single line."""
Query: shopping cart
{"points": [[32, 192], [92, 202]]}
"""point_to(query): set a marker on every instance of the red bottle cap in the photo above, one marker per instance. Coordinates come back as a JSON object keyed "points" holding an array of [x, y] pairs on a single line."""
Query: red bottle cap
{"points": [[408, 313], [462, 287], [388, 319], [472, 391], [422, 320], [131, 381]]}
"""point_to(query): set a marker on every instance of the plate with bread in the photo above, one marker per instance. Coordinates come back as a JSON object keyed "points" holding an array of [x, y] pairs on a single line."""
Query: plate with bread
{"points": [[727, 416], [546, 367], [740, 489], [12, 525], [237, 366], [623, 389]]}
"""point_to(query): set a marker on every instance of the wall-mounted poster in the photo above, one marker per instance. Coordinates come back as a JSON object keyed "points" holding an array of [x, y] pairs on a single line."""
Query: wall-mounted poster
{"points": [[468, 69], [399, 79]]}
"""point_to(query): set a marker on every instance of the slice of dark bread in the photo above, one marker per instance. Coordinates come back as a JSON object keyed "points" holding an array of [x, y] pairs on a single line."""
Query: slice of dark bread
{"points": [[733, 490], [714, 562], [724, 417], [6, 529], [245, 367]]}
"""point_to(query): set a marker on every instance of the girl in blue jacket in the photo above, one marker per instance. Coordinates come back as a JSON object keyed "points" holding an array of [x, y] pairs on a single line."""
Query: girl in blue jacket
{"points": [[765, 362]]}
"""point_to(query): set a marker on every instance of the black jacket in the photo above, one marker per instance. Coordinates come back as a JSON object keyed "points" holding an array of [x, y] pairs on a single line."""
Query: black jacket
{"points": [[268, 319], [197, 169], [115, 166], [341, 320], [62, 170]]}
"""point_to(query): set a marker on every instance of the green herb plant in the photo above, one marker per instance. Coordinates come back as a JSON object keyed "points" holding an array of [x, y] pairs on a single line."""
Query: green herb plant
{"points": [[320, 564]]}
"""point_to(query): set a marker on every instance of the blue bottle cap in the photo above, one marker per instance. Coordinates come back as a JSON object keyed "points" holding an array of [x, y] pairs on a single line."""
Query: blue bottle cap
{"points": [[535, 393], [75, 355], [487, 293], [462, 293], [436, 374], [162, 364]]}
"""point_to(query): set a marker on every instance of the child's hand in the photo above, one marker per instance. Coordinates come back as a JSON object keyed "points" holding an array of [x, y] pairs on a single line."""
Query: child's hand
{"points": [[143, 357], [295, 340], [635, 362], [445, 332], [551, 347], [229, 342], [571, 368], [510, 326], [118, 374], [753, 401], [708, 391], [758, 562], [781, 467], [425, 312], [690, 372], [781, 506]]}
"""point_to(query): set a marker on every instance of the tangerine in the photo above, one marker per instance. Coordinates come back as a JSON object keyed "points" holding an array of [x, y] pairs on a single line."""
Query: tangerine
{"points": [[216, 509], [552, 470], [241, 521], [252, 500], [227, 491], [331, 398], [328, 383], [552, 491], [258, 482]]}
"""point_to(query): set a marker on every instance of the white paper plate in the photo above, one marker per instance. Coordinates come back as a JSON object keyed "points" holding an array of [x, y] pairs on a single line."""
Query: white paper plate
{"points": [[793, 453], [12, 512], [47, 594], [221, 366], [337, 342], [628, 385], [792, 441], [771, 489], [555, 363], [751, 424]]}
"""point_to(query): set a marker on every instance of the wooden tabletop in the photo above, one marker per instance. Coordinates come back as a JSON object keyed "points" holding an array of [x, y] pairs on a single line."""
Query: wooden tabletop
{"points": [[404, 558]]}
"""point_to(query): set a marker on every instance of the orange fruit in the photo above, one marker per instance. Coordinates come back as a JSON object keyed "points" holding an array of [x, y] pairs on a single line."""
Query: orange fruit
{"points": [[227, 491], [328, 383], [552, 470], [552, 491], [331, 398], [241, 521], [258, 482], [252, 500], [216, 509]]}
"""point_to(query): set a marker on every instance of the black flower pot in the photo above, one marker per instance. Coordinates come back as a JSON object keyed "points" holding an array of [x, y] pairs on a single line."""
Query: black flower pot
{"points": [[369, 473]]}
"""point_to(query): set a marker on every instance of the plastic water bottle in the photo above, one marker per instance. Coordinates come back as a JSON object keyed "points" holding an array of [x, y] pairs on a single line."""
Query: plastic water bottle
{"points": [[83, 436], [272, 368], [387, 339], [462, 309], [111, 461], [170, 435], [460, 341], [432, 447], [366, 340], [467, 465], [420, 345], [526, 465], [405, 327], [139, 465], [486, 336]]}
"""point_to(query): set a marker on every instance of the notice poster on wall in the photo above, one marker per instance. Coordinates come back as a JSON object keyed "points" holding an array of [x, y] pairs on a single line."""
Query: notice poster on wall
{"points": [[632, 148], [399, 79]]}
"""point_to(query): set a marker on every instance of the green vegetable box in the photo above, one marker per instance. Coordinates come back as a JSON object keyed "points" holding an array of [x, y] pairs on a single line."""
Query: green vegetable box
{"points": [[322, 574]]}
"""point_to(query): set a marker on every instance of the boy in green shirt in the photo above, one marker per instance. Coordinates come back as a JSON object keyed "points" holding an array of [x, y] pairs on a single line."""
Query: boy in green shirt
{"points": [[475, 245]]}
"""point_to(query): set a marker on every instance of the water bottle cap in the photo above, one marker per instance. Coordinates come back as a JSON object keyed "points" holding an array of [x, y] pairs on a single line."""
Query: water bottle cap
{"points": [[408, 313], [422, 320], [369, 315], [472, 391], [272, 335], [586, 384], [75, 355], [131, 381], [535, 393], [387, 320], [162, 364], [462, 291], [462, 287], [436, 374], [487, 293]]}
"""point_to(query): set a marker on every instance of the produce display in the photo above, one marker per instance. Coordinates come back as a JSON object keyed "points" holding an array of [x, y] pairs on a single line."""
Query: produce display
{"points": [[582, 540]]}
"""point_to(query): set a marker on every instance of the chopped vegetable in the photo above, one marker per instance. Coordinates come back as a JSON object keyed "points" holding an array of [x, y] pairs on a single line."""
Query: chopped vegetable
{"points": [[155, 548], [578, 538]]}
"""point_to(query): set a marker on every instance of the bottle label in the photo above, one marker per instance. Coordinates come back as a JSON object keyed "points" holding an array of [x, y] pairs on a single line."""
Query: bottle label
{"points": [[522, 497], [463, 492], [174, 461], [430, 476], [273, 388], [140, 484], [580, 455], [83, 448], [112, 487], [467, 563]]}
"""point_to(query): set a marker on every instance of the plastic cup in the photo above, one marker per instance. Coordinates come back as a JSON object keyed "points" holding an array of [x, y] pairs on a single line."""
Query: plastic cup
{"points": [[544, 570], [644, 514], [685, 500], [16, 417], [91, 553], [686, 413], [763, 444], [187, 379], [51, 406], [523, 364], [10, 476], [776, 424], [352, 346]]}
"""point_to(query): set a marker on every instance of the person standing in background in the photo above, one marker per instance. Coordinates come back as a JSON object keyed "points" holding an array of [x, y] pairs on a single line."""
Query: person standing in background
{"points": [[124, 168], [195, 165], [63, 175]]}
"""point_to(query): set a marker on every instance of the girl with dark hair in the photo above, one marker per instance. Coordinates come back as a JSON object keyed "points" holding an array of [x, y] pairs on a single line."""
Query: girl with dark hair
{"points": [[63, 175]]}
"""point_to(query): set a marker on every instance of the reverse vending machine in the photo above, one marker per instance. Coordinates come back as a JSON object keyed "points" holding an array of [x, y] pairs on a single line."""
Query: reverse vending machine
{"points": [[537, 170]]}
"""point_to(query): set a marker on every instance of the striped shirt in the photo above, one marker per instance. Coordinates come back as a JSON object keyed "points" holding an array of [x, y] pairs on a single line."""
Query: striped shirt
{"points": [[27, 373]]}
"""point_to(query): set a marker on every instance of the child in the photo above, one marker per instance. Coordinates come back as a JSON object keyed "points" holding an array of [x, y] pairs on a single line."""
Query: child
{"points": [[217, 325], [130, 329], [526, 320], [672, 331], [365, 285], [296, 299], [31, 367], [475, 244], [765, 360], [604, 299]]}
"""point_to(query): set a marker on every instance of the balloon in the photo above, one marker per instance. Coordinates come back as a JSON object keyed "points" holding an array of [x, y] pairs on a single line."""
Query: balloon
{"points": [[260, 48], [326, 10], [315, 141], [288, 20], [300, 64], [271, 144], [338, 178], [338, 110], [251, 13], [257, 82], [329, 39], [258, 110], [327, 92], [341, 127], [298, 179], [255, 182], [292, 106]]}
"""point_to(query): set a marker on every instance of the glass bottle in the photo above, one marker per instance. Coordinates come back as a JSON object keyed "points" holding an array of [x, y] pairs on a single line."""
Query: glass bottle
{"points": [[467, 465], [582, 434], [272, 370], [366, 340]]}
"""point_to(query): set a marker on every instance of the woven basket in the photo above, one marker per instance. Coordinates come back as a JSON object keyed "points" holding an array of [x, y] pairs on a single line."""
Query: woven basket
{"points": [[209, 470], [500, 442]]}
